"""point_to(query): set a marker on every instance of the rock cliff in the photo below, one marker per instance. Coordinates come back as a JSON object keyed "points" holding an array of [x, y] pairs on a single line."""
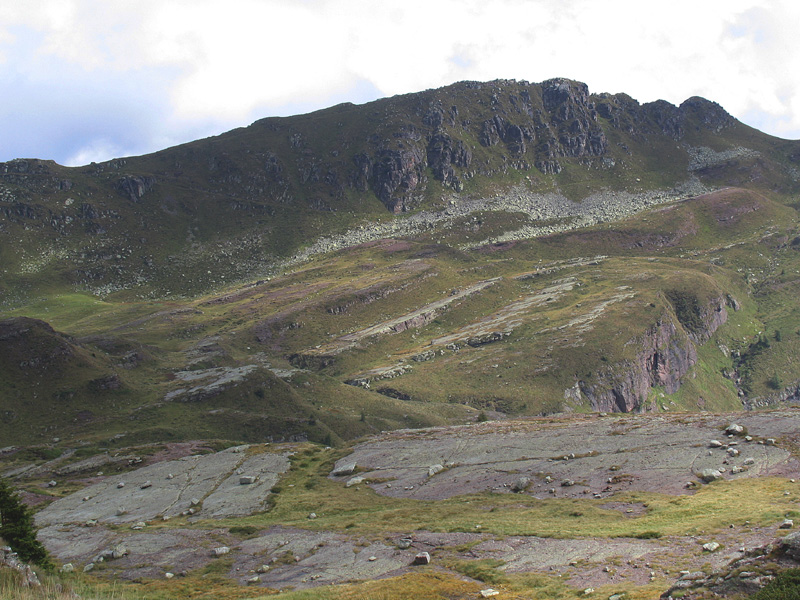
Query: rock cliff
{"points": [[665, 354]]}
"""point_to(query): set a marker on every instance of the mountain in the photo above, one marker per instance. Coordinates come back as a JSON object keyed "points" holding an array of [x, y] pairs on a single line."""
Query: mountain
{"points": [[483, 249], [430, 319]]}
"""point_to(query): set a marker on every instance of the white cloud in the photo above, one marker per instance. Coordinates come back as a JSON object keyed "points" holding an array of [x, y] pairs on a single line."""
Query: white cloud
{"points": [[201, 66]]}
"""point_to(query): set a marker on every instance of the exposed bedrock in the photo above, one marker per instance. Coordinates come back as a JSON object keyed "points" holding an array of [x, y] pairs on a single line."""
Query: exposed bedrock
{"points": [[667, 351]]}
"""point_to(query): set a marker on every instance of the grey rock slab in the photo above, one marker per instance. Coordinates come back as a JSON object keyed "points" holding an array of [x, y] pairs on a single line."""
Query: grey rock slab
{"points": [[647, 453], [175, 549], [231, 499], [211, 476], [324, 558]]}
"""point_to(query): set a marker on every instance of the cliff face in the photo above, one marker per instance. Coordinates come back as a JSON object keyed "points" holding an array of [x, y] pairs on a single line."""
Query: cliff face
{"points": [[667, 351]]}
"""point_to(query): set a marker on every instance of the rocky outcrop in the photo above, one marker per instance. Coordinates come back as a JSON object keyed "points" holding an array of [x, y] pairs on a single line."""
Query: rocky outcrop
{"points": [[396, 173], [666, 352], [443, 154], [10, 560], [135, 186]]}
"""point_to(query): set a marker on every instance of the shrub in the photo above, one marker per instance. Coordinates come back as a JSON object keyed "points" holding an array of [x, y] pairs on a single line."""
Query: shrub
{"points": [[785, 586], [774, 382]]}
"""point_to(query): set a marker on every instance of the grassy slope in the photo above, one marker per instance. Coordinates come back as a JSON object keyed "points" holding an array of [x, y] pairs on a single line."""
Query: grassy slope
{"points": [[735, 243]]}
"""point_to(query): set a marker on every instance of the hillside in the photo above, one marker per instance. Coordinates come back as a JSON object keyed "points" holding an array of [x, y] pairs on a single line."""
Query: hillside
{"points": [[481, 252]]}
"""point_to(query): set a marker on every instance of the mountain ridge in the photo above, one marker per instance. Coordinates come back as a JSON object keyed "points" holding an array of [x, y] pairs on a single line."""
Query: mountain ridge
{"points": [[223, 270]]}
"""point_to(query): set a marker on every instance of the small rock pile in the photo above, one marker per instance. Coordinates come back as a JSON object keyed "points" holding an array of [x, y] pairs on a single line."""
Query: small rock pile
{"points": [[9, 558]]}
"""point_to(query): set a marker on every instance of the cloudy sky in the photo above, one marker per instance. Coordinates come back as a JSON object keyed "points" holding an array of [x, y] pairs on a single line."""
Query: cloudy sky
{"points": [[88, 80]]}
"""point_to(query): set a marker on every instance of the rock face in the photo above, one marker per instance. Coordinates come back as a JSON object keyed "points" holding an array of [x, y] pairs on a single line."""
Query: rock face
{"points": [[666, 353], [135, 186]]}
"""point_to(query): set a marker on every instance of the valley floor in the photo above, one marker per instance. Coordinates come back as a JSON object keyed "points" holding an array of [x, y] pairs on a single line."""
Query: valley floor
{"points": [[555, 506]]}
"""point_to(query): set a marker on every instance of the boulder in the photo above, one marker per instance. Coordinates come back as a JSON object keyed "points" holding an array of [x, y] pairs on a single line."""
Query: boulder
{"points": [[734, 429], [434, 469], [345, 469], [247, 479], [221, 551], [404, 543], [711, 547], [786, 524], [422, 558], [354, 481], [709, 475], [521, 484], [790, 545]]}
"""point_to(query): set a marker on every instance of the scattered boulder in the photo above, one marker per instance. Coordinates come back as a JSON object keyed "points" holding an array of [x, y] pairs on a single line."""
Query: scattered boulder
{"points": [[711, 547], [786, 524], [715, 444], [709, 475], [734, 429], [247, 479], [221, 551], [354, 481], [790, 545], [404, 543], [146, 485], [422, 558], [434, 469], [67, 568], [521, 484], [119, 551], [345, 469]]}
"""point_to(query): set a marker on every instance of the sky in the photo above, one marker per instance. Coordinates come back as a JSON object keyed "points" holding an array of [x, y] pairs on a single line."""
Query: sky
{"points": [[91, 80]]}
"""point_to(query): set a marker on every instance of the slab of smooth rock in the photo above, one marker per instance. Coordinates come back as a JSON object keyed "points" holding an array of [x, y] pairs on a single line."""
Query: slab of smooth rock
{"points": [[211, 477]]}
